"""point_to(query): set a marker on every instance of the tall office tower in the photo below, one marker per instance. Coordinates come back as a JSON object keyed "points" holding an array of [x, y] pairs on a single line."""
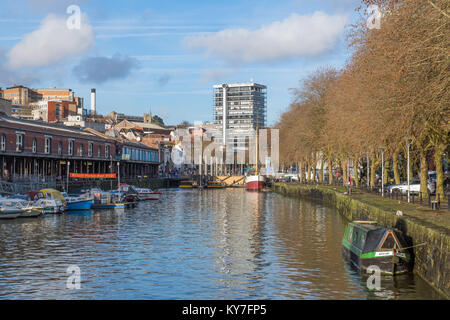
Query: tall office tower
{"points": [[239, 108]]}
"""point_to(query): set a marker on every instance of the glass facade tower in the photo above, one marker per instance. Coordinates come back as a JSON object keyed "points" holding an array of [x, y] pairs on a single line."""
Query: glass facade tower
{"points": [[239, 108]]}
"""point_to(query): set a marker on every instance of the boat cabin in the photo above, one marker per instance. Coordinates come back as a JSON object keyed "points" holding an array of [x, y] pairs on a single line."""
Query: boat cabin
{"points": [[367, 243]]}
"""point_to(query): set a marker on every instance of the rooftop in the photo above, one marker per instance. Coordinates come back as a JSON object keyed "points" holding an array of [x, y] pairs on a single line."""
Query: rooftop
{"points": [[244, 84]]}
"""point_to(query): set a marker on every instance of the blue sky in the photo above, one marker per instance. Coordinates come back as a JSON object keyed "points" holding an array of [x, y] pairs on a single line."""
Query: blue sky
{"points": [[165, 56]]}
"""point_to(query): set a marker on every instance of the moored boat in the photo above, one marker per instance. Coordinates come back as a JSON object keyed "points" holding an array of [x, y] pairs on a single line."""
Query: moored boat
{"points": [[148, 194], [51, 200], [188, 184], [365, 243], [215, 185], [254, 183], [103, 199], [77, 203], [18, 208]]}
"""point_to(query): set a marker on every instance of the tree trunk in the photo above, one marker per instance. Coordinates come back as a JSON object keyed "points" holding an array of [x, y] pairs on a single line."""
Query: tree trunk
{"points": [[308, 172], [438, 151], [314, 171], [355, 173], [386, 171], [300, 171], [423, 173], [373, 168], [395, 167], [344, 173], [321, 172], [330, 172]]}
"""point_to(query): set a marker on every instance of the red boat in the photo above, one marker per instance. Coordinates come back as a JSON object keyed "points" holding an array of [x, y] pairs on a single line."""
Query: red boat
{"points": [[254, 183]]}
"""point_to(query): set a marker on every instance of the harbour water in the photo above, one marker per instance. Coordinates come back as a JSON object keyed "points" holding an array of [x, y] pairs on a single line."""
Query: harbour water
{"points": [[191, 244]]}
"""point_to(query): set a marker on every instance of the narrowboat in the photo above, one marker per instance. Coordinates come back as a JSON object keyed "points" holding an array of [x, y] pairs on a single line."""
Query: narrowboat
{"points": [[365, 243]]}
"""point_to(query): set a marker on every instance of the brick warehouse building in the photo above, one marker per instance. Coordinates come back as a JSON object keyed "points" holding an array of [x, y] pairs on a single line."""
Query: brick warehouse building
{"points": [[32, 148]]}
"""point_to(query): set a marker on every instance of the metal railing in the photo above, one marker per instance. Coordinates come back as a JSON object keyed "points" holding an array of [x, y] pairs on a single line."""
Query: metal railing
{"points": [[433, 201]]}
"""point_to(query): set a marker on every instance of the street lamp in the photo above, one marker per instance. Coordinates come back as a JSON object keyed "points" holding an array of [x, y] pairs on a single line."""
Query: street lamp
{"points": [[368, 172], [408, 145], [382, 171], [68, 169], [118, 174]]}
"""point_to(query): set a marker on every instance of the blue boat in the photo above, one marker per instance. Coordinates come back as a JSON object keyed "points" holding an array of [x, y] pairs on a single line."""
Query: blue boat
{"points": [[84, 204], [78, 203]]}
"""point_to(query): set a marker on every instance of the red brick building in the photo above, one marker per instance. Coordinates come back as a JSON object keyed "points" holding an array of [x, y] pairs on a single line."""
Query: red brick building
{"points": [[32, 148]]}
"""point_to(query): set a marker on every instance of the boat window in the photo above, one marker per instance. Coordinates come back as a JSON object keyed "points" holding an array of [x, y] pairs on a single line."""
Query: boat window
{"points": [[389, 243], [350, 234]]}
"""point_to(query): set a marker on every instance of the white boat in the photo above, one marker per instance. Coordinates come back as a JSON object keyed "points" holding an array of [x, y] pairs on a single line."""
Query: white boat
{"points": [[143, 193], [18, 208], [49, 199], [148, 194], [50, 205]]}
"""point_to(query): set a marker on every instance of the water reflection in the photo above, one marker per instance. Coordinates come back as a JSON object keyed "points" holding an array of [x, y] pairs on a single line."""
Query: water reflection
{"points": [[201, 244]]}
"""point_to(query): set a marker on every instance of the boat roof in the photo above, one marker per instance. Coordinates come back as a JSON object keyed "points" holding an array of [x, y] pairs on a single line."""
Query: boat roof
{"points": [[366, 225]]}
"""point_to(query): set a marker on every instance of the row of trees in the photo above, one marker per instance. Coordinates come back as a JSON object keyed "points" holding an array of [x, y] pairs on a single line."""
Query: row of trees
{"points": [[393, 90]]}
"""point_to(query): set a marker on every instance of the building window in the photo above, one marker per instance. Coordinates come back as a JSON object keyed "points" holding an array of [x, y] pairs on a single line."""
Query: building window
{"points": [[3, 143], [81, 150], [19, 142], [34, 146], [48, 145], [107, 151], [99, 151], [90, 149], [60, 148], [70, 151]]}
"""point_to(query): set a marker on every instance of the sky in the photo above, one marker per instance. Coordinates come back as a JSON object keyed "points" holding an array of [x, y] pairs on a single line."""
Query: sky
{"points": [[165, 56]]}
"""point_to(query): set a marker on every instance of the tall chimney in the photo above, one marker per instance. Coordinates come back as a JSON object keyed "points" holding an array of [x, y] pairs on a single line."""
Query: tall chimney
{"points": [[93, 102]]}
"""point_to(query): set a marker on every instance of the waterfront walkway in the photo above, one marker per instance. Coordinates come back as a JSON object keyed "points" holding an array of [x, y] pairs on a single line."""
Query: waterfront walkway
{"points": [[440, 218]]}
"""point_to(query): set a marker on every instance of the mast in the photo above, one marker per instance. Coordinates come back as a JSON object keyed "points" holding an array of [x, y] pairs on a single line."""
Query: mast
{"points": [[257, 151]]}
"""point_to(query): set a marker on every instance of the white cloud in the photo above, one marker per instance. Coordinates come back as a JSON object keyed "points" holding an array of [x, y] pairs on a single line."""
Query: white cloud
{"points": [[295, 36], [51, 43]]}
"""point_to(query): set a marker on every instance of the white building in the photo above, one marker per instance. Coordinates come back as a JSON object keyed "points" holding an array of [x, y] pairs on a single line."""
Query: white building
{"points": [[239, 108], [80, 121]]}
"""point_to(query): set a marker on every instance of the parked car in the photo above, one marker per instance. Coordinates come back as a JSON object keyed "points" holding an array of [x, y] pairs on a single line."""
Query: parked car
{"points": [[291, 177], [414, 187]]}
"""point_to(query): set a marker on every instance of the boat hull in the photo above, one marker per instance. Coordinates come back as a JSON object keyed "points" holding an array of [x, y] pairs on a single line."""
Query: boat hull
{"points": [[31, 213], [54, 209], [388, 263], [79, 205], [108, 206], [9, 214], [254, 183]]}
